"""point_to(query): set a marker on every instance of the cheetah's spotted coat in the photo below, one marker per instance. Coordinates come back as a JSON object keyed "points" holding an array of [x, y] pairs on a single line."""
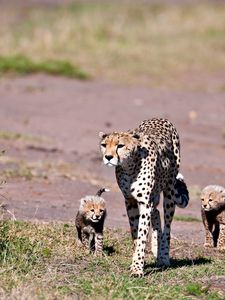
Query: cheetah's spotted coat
{"points": [[147, 162]]}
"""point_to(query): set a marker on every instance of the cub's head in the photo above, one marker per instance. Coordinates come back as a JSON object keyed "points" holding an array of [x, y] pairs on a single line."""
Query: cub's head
{"points": [[213, 198], [93, 208], [117, 147]]}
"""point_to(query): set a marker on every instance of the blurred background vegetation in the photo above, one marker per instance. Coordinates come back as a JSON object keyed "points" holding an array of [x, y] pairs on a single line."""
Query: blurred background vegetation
{"points": [[125, 41]]}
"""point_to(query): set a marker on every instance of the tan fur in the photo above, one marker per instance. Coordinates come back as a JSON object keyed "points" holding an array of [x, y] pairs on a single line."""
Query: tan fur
{"points": [[213, 215]]}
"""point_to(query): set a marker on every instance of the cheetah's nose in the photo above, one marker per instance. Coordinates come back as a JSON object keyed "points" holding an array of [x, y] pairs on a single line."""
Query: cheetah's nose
{"points": [[108, 157], [205, 205]]}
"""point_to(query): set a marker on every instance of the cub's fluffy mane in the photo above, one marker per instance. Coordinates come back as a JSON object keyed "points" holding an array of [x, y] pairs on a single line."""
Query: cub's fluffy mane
{"points": [[214, 188], [91, 199]]}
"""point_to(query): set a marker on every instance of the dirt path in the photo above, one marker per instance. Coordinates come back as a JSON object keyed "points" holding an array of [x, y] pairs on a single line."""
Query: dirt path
{"points": [[58, 121]]}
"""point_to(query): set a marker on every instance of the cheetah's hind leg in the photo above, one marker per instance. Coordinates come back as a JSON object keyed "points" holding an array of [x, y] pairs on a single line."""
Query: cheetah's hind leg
{"points": [[169, 209], [155, 231]]}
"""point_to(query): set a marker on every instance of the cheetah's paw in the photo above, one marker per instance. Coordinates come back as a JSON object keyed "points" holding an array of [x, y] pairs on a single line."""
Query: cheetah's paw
{"points": [[163, 262], [208, 245], [98, 254], [136, 271]]}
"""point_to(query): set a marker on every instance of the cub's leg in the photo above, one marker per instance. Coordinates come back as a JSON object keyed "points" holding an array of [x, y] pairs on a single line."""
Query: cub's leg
{"points": [[133, 216], [91, 241], [221, 241], [79, 237], [85, 236], [208, 238], [137, 266], [98, 244], [215, 233], [169, 209], [208, 231]]}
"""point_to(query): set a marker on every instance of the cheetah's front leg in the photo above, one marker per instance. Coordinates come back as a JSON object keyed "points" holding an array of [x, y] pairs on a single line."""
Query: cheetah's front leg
{"points": [[169, 209], [133, 215], [137, 266]]}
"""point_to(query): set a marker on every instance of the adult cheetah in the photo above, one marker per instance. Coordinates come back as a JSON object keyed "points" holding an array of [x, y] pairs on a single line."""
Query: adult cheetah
{"points": [[147, 161]]}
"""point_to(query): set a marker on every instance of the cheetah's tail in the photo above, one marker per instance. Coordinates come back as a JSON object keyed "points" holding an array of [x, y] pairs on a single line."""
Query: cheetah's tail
{"points": [[182, 195], [102, 190]]}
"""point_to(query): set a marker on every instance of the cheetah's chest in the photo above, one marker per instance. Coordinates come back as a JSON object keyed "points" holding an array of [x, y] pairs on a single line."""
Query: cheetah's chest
{"points": [[125, 181]]}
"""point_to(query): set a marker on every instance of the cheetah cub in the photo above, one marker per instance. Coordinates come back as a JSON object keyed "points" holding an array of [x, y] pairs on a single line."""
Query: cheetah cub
{"points": [[213, 215], [90, 222]]}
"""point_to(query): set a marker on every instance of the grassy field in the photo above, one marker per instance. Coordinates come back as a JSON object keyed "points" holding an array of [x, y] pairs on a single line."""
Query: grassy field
{"points": [[42, 261], [20, 64], [126, 41]]}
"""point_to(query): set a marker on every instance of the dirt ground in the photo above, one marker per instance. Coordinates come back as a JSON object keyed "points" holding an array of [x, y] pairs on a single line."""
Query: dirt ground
{"points": [[59, 120]]}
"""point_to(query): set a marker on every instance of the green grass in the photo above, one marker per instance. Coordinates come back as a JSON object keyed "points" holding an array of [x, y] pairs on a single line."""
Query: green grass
{"points": [[20, 170], [186, 219], [21, 64], [11, 135], [42, 261], [124, 41]]}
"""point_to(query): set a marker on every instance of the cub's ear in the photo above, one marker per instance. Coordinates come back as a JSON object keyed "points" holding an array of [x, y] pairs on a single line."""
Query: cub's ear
{"points": [[223, 194], [83, 201], [136, 136], [102, 135]]}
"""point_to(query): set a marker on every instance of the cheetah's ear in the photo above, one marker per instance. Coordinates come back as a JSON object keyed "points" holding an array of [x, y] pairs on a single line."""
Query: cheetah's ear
{"points": [[102, 135], [136, 136]]}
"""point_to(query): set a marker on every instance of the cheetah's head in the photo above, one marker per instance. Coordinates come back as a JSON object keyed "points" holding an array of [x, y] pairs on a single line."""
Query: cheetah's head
{"points": [[213, 200], [93, 207], [117, 147]]}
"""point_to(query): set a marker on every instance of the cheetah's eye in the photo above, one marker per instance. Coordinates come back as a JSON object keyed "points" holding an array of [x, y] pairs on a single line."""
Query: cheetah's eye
{"points": [[101, 210], [210, 200], [103, 145], [202, 199], [92, 210], [120, 146]]}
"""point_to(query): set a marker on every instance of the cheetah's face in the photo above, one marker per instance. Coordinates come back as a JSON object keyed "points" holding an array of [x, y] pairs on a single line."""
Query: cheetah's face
{"points": [[212, 200], [94, 211], [117, 147]]}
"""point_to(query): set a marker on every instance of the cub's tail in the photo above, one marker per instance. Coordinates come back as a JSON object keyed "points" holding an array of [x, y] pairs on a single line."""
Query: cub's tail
{"points": [[102, 190], [182, 194]]}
